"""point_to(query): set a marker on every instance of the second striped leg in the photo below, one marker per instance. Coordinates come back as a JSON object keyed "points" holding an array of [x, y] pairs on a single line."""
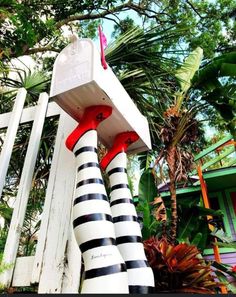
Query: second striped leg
{"points": [[127, 228]]}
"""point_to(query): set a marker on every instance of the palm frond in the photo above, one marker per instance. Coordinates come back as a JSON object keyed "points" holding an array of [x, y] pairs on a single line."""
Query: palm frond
{"points": [[186, 72]]}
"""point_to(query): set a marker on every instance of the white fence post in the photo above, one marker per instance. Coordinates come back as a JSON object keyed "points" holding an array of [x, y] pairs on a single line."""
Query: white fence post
{"points": [[71, 279], [10, 136], [49, 262], [18, 216]]}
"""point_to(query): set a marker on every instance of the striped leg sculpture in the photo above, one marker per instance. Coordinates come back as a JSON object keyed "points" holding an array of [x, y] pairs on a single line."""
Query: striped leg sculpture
{"points": [[105, 270], [127, 228]]}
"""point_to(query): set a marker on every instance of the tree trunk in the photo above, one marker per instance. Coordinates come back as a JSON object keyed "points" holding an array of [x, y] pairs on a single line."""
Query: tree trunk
{"points": [[171, 161]]}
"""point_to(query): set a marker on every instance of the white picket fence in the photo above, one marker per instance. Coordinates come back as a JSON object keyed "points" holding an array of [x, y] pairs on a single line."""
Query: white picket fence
{"points": [[57, 261]]}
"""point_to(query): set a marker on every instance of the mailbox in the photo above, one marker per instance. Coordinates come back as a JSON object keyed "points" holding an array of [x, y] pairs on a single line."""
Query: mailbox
{"points": [[79, 81]]}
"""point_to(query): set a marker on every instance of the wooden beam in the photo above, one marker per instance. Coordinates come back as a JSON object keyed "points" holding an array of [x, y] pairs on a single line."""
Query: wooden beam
{"points": [[216, 159], [230, 142], [219, 172], [182, 191], [213, 147], [28, 114]]}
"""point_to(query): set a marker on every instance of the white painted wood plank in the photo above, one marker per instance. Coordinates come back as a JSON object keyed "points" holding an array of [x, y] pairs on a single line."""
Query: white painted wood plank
{"points": [[71, 278], [47, 206], [23, 271], [28, 114], [54, 231], [10, 136], [18, 215]]}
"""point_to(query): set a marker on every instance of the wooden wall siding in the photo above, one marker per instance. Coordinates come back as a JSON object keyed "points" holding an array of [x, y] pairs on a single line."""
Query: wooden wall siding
{"points": [[228, 258], [231, 224], [56, 265]]}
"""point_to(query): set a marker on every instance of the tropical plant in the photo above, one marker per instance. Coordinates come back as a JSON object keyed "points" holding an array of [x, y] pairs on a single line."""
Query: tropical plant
{"points": [[147, 194], [216, 81], [179, 130], [179, 268], [226, 274], [13, 78], [156, 215], [140, 60], [193, 224]]}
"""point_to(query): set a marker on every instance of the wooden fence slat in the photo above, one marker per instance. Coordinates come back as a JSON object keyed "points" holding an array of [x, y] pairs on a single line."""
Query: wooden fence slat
{"points": [[54, 231], [22, 271], [18, 215], [28, 114], [10, 136], [71, 279], [46, 209]]}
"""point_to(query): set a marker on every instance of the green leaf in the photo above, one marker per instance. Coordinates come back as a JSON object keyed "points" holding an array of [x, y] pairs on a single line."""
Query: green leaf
{"points": [[147, 193], [188, 203], [207, 77], [232, 288], [197, 239], [186, 72], [147, 187], [230, 245], [187, 228], [228, 69], [208, 211], [223, 278], [5, 211], [220, 234], [146, 220]]}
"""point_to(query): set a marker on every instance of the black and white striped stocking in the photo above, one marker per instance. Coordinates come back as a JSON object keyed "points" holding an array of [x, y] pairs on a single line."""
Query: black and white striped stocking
{"points": [[127, 228]]}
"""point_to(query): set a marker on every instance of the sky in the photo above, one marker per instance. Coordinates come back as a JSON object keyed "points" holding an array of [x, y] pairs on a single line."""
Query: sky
{"points": [[107, 25]]}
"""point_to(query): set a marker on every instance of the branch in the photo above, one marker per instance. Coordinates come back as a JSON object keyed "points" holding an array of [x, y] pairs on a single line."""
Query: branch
{"points": [[107, 18], [226, 49], [89, 16], [194, 9], [128, 5], [146, 13], [28, 51], [41, 50]]}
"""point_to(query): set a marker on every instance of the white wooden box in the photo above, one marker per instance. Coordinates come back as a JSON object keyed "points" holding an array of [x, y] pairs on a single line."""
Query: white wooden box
{"points": [[79, 81]]}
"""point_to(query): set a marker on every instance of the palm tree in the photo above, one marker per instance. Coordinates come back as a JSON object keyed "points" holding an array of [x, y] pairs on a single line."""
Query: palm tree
{"points": [[179, 130], [22, 76], [145, 67]]}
